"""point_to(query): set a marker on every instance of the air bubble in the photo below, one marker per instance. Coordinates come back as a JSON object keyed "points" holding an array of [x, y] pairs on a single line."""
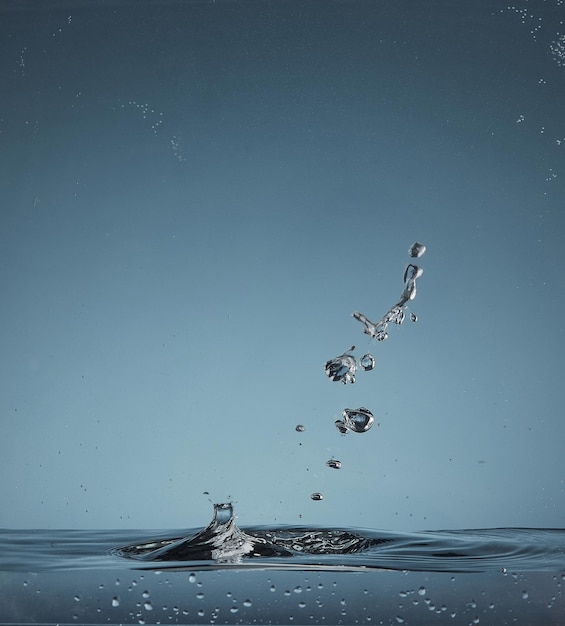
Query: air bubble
{"points": [[417, 250], [367, 362], [317, 496], [334, 464]]}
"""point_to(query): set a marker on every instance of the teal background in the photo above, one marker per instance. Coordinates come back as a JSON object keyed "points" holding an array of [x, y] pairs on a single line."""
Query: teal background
{"points": [[196, 196]]}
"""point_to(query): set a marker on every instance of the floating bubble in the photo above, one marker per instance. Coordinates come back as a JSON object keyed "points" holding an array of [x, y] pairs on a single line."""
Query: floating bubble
{"points": [[367, 362], [417, 250], [358, 420], [300, 428], [342, 368], [317, 496], [334, 464]]}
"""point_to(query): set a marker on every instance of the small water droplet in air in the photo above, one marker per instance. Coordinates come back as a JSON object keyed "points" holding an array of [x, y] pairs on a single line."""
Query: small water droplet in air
{"points": [[367, 362], [317, 496], [358, 420], [342, 368], [422, 591], [334, 464], [77, 598], [413, 317], [300, 428], [417, 250], [340, 425]]}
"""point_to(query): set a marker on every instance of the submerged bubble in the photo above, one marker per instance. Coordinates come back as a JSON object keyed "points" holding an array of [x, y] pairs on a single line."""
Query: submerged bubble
{"points": [[334, 464], [358, 420], [342, 368], [417, 249], [317, 496], [367, 362]]}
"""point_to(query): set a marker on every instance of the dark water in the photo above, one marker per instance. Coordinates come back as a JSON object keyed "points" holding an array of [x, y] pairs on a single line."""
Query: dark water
{"points": [[297, 575]]}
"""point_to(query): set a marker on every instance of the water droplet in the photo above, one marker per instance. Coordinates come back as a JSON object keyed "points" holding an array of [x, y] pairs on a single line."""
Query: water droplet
{"points": [[422, 591], [192, 577], [145, 594], [115, 601], [300, 428], [342, 368], [524, 595], [367, 362], [417, 250], [399, 619], [247, 603], [334, 464], [340, 425], [358, 420], [77, 598], [148, 606], [413, 317], [317, 496]]}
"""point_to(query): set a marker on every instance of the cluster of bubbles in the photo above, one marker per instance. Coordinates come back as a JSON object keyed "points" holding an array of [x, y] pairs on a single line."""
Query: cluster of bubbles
{"points": [[146, 112], [343, 368], [558, 50]]}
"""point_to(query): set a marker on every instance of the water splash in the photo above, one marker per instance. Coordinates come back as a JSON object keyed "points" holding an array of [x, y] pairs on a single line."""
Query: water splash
{"points": [[220, 541], [397, 313], [223, 542]]}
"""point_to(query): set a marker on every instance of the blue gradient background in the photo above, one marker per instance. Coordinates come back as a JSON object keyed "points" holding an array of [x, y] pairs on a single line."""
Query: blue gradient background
{"points": [[197, 195]]}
